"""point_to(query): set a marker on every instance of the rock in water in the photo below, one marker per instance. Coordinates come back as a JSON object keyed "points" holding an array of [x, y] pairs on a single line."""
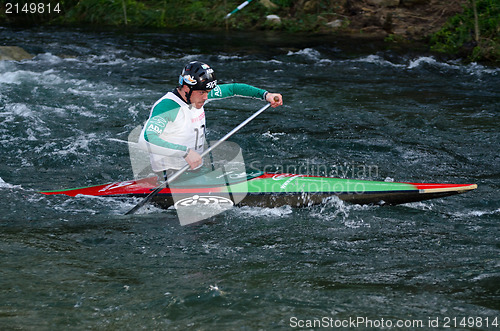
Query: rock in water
{"points": [[14, 53]]}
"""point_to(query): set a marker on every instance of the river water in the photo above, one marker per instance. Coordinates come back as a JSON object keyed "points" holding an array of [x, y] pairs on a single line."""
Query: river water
{"points": [[78, 263]]}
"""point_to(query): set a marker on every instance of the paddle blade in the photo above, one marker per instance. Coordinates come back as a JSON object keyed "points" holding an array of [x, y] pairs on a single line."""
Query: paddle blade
{"points": [[139, 157], [201, 195]]}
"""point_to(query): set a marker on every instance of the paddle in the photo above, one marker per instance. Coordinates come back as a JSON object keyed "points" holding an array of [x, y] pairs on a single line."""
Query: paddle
{"points": [[186, 167]]}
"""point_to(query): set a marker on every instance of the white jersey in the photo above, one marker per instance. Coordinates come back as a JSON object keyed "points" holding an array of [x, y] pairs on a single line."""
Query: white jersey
{"points": [[173, 127]]}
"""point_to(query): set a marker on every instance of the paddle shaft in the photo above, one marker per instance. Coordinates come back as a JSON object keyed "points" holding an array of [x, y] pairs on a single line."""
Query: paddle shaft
{"points": [[186, 167]]}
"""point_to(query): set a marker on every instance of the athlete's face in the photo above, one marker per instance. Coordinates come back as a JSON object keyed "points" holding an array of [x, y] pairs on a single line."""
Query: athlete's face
{"points": [[198, 98]]}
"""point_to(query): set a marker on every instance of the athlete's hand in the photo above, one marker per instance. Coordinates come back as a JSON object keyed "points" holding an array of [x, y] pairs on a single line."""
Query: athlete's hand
{"points": [[275, 99], [193, 159]]}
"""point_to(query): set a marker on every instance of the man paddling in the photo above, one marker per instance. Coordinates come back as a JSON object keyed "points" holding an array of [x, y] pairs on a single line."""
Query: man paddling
{"points": [[175, 131]]}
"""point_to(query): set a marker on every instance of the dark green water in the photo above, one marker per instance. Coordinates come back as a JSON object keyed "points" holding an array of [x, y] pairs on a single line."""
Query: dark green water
{"points": [[77, 263]]}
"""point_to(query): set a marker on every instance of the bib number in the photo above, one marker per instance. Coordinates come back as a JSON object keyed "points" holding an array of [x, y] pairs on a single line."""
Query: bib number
{"points": [[200, 137]]}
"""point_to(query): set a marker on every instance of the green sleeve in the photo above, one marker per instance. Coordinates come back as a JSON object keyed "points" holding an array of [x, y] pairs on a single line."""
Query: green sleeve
{"points": [[164, 112], [229, 90]]}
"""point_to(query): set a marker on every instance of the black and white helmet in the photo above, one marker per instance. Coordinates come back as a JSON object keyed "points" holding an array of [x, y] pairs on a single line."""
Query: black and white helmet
{"points": [[198, 76]]}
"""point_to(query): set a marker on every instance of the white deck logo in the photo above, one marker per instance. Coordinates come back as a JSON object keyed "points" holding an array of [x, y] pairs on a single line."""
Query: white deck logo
{"points": [[288, 181], [116, 185], [197, 200]]}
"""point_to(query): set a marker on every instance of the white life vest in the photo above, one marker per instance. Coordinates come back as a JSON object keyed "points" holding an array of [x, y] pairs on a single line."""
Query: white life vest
{"points": [[188, 129]]}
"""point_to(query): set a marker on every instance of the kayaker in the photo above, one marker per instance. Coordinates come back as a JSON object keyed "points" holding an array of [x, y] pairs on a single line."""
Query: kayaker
{"points": [[175, 131]]}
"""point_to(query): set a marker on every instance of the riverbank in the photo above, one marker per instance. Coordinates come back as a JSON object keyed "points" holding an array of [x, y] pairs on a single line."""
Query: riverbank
{"points": [[453, 27]]}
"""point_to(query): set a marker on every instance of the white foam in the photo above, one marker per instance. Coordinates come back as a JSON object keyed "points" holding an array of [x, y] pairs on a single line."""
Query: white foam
{"points": [[309, 53], [276, 212], [11, 77], [108, 59], [273, 136], [422, 60], [420, 205], [416, 63], [4, 184], [48, 77], [471, 69], [35, 123], [188, 58], [7, 66], [77, 145], [476, 213], [228, 57], [18, 109], [272, 61], [477, 69], [486, 276], [96, 204], [376, 59], [334, 209], [48, 57]]}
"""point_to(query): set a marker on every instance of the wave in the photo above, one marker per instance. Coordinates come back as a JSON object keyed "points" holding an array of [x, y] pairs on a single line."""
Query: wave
{"points": [[16, 113], [37, 95], [5, 185], [423, 62], [274, 136], [114, 58], [400, 62], [476, 213], [426, 206], [46, 78], [376, 59], [309, 53], [334, 210], [276, 212], [84, 204], [49, 58], [6, 66]]}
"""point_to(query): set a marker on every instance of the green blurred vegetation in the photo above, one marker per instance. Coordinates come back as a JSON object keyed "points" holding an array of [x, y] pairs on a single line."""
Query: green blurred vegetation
{"points": [[156, 14], [475, 33], [296, 15], [475, 37]]}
